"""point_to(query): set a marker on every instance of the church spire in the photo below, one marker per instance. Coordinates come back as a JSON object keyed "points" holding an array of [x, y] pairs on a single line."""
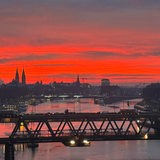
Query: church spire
{"points": [[17, 76], [78, 80], [23, 77]]}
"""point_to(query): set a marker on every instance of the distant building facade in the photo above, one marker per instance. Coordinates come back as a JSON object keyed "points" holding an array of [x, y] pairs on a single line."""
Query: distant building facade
{"points": [[105, 82], [75, 87]]}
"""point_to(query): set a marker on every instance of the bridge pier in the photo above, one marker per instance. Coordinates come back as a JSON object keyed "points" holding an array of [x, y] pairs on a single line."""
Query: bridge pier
{"points": [[9, 151], [157, 127]]}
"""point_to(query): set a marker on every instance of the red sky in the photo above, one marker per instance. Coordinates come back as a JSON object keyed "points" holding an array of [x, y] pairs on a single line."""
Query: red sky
{"points": [[57, 40]]}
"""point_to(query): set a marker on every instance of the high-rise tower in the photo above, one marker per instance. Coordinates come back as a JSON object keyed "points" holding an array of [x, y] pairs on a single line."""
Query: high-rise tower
{"points": [[17, 76], [78, 80], [23, 77]]}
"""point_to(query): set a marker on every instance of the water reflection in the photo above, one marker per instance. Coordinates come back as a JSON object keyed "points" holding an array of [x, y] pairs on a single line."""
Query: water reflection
{"points": [[115, 150], [103, 150]]}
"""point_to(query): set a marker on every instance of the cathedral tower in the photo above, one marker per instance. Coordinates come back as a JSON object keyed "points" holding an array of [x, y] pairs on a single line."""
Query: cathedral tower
{"points": [[78, 81], [17, 76], [23, 77]]}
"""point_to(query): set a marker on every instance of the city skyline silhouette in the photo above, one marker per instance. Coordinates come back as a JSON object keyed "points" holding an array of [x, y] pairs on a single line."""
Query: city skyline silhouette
{"points": [[56, 40]]}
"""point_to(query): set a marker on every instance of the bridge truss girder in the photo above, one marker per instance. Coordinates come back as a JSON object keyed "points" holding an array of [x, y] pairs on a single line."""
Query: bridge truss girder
{"points": [[101, 128]]}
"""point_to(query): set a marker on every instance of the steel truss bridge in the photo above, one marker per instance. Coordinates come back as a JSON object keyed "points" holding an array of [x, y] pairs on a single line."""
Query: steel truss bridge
{"points": [[73, 129]]}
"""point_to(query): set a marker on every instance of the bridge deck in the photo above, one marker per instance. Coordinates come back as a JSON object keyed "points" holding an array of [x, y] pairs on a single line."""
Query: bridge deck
{"points": [[59, 127]]}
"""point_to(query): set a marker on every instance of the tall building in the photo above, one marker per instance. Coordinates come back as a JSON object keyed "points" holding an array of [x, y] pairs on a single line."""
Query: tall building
{"points": [[17, 76], [105, 82], [23, 77], [78, 80]]}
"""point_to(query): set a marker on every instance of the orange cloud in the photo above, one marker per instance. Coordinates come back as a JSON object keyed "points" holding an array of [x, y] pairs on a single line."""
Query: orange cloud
{"points": [[55, 41]]}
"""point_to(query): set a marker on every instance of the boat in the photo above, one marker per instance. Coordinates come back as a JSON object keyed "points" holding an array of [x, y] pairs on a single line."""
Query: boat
{"points": [[99, 101], [77, 142], [113, 106]]}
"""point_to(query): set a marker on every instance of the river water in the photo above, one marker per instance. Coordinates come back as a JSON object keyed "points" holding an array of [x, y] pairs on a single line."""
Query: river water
{"points": [[103, 150]]}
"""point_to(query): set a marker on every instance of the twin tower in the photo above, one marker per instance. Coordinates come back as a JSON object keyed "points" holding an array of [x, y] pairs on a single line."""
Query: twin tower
{"points": [[23, 77]]}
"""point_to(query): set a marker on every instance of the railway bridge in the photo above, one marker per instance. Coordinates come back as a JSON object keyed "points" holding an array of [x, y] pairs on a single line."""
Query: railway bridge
{"points": [[78, 129]]}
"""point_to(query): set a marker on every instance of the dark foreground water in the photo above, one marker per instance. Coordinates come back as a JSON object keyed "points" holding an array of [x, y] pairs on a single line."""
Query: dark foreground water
{"points": [[117, 150], [104, 150]]}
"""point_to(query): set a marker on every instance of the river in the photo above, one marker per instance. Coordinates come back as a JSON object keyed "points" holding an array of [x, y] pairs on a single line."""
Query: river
{"points": [[103, 150]]}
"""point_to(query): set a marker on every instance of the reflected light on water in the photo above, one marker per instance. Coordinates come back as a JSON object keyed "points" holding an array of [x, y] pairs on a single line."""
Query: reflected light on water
{"points": [[103, 150]]}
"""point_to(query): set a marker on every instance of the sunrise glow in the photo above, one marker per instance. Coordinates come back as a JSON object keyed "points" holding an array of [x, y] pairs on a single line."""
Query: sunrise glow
{"points": [[58, 40]]}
